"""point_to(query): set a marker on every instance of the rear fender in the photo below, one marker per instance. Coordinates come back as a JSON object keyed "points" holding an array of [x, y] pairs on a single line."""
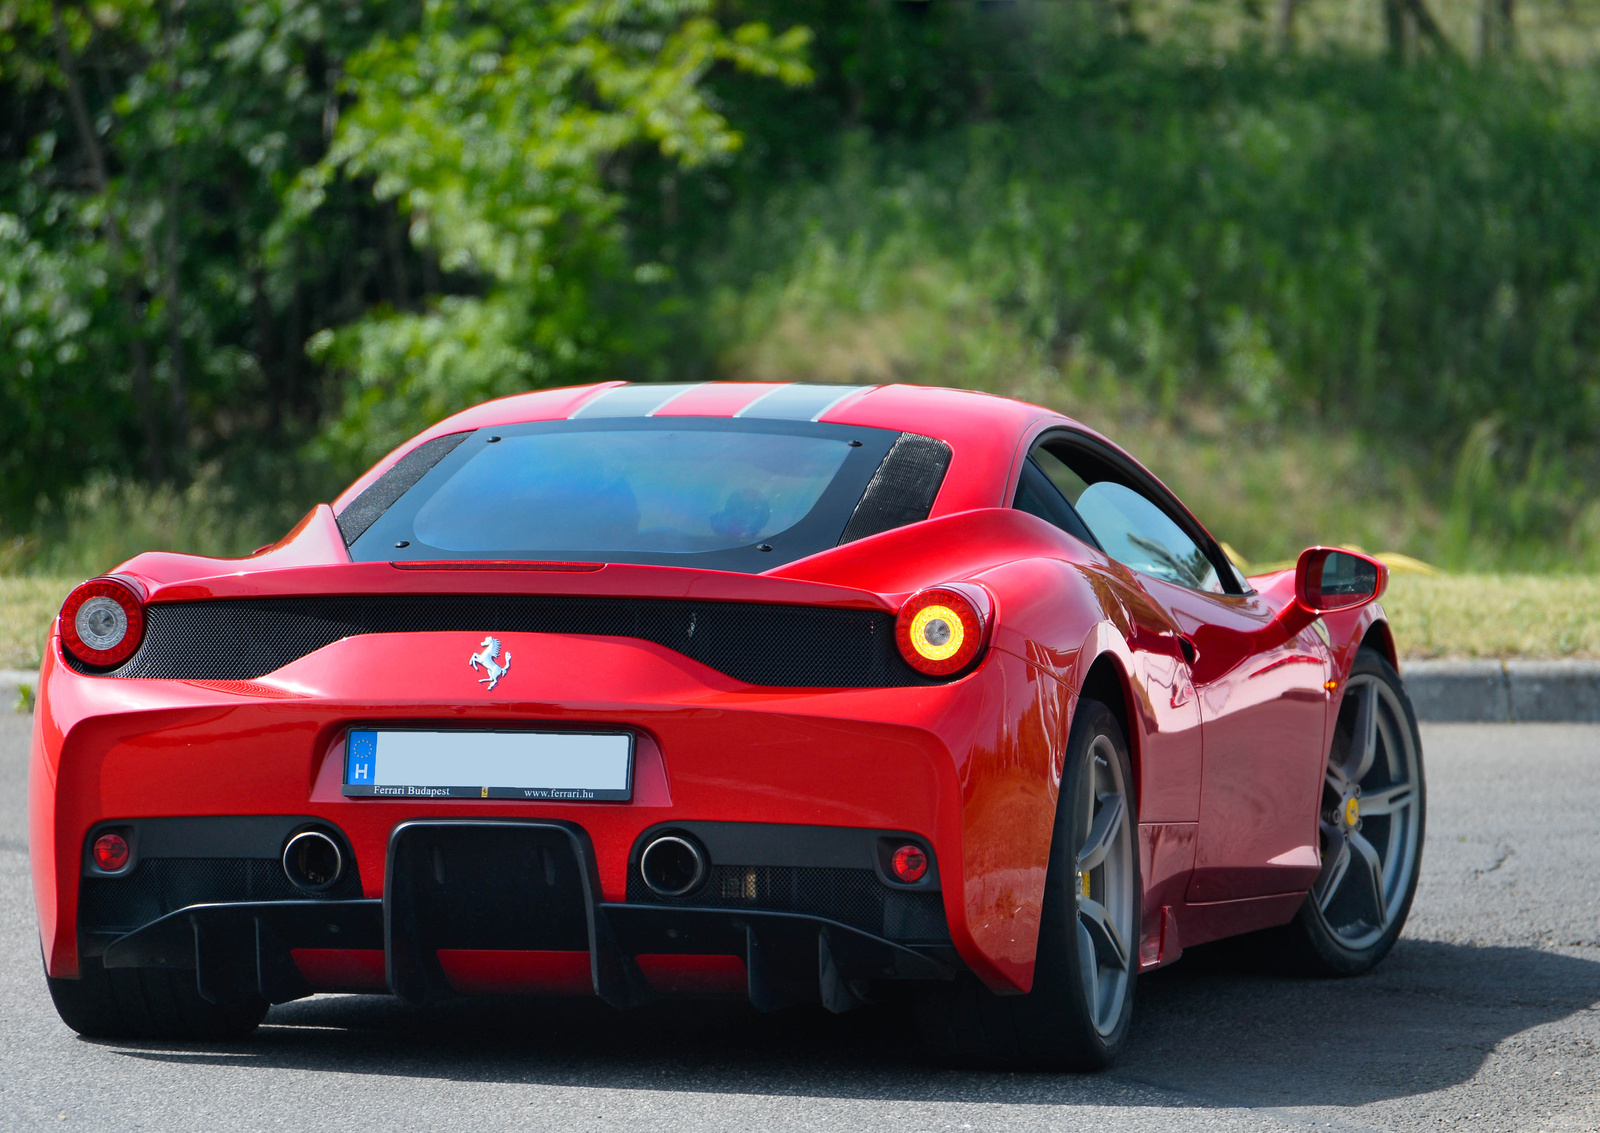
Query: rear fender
{"points": [[897, 563]]}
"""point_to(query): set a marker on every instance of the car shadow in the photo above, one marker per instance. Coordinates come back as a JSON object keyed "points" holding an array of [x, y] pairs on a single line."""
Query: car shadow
{"points": [[1205, 1033]]}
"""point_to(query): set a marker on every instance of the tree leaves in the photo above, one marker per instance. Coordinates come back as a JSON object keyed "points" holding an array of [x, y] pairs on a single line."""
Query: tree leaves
{"points": [[503, 132]]}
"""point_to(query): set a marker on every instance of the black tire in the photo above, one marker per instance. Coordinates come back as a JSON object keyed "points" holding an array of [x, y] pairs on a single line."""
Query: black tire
{"points": [[1054, 1025], [1315, 943], [148, 1003]]}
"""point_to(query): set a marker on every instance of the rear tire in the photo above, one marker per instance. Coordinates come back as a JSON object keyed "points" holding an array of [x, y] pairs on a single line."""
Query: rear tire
{"points": [[147, 1003], [1359, 904], [1076, 1015]]}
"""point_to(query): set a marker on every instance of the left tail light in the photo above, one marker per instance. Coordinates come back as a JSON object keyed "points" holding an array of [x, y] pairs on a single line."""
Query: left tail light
{"points": [[942, 630], [102, 622]]}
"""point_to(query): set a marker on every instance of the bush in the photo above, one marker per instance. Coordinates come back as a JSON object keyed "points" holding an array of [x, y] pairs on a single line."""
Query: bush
{"points": [[1407, 256]]}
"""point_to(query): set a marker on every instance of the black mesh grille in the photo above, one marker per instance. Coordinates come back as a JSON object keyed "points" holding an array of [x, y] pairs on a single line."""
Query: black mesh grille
{"points": [[794, 646], [158, 886], [850, 896]]}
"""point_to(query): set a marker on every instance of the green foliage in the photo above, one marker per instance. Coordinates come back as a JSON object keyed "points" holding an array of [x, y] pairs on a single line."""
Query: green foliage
{"points": [[106, 521], [1334, 244], [143, 329], [501, 130], [247, 247], [55, 408]]}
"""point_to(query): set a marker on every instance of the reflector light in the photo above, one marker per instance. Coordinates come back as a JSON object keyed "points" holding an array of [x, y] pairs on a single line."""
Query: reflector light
{"points": [[909, 863], [110, 852], [941, 631], [102, 622]]}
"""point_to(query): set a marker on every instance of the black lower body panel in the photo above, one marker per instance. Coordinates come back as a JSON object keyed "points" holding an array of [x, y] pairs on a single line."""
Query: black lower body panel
{"points": [[469, 884]]}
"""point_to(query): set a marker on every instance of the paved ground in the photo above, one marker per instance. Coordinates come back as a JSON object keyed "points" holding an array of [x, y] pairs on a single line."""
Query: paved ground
{"points": [[1485, 1017]]}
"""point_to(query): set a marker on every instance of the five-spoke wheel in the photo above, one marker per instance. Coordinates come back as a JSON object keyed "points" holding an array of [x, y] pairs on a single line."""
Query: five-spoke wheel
{"points": [[1371, 822], [1076, 1015], [1104, 886]]}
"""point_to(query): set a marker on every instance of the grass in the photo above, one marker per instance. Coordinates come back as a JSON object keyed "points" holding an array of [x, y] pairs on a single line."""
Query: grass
{"points": [[1475, 615], [1495, 615], [27, 606]]}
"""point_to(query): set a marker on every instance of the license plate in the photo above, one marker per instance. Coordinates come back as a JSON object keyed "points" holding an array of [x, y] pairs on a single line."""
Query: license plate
{"points": [[532, 766]]}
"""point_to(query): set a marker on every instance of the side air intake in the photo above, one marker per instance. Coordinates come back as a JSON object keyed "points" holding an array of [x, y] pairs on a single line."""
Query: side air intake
{"points": [[902, 490]]}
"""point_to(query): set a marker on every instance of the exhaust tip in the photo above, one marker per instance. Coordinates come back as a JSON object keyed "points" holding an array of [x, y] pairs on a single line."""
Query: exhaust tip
{"points": [[673, 865], [313, 861]]}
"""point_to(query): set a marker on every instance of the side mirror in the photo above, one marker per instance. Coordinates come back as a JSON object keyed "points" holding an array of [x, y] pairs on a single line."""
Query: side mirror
{"points": [[1326, 580]]}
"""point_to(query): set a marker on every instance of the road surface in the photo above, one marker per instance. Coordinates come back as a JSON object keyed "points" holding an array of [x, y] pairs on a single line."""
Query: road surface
{"points": [[1484, 1018]]}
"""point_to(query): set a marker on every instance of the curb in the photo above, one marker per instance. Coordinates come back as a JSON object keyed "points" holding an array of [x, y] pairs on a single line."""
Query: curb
{"points": [[1490, 692], [1459, 692]]}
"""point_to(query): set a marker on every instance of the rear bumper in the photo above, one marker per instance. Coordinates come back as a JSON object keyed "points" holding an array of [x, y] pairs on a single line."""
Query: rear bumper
{"points": [[238, 951], [276, 949], [709, 750]]}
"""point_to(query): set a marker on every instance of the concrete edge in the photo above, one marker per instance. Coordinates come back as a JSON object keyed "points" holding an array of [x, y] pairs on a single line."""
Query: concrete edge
{"points": [[1565, 691], [1476, 692]]}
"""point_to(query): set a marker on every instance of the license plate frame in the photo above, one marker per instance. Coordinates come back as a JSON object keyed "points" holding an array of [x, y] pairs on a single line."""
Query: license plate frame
{"points": [[532, 764]]}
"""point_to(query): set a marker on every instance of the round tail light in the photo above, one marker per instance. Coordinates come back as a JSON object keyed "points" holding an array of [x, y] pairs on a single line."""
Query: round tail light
{"points": [[110, 852], [941, 631], [102, 622]]}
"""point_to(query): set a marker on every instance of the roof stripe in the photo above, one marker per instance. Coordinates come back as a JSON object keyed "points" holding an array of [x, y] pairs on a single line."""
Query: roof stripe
{"points": [[631, 400], [681, 392], [849, 392], [797, 402]]}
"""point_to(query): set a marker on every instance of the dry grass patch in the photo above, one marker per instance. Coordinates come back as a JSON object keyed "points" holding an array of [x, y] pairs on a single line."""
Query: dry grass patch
{"points": [[1495, 615], [27, 607]]}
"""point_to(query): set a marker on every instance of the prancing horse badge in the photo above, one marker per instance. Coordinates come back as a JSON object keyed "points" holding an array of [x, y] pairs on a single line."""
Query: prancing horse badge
{"points": [[489, 657]]}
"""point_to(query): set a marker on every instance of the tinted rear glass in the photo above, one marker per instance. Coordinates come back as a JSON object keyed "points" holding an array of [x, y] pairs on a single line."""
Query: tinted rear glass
{"points": [[722, 493]]}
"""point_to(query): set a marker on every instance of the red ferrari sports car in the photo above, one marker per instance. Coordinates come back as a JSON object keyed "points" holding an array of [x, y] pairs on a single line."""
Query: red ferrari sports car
{"points": [[809, 694]]}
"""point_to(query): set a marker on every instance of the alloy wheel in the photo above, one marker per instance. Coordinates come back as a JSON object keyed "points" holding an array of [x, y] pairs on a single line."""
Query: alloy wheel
{"points": [[1104, 888], [1371, 815]]}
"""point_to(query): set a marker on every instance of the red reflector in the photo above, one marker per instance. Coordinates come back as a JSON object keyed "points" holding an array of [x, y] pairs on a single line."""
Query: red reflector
{"points": [[341, 969], [111, 852], [910, 863], [694, 974], [474, 971]]}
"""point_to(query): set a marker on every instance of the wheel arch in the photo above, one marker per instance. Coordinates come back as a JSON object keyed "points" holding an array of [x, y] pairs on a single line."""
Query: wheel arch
{"points": [[1380, 637], [1107, 682]]}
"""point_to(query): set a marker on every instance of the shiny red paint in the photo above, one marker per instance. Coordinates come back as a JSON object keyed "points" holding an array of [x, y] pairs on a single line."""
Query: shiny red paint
{"points": [[1228, 747], [504, 971]]}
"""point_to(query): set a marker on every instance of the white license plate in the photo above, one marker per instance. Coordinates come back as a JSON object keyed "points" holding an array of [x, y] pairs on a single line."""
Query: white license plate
{"points": [[533, 766]]}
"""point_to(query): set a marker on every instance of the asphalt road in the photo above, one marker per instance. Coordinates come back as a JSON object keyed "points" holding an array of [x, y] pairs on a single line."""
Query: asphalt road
{"points": [[1484, 1017]]}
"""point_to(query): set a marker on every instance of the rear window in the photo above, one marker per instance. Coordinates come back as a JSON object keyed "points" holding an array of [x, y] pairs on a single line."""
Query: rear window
{"points": [[727, 494]]}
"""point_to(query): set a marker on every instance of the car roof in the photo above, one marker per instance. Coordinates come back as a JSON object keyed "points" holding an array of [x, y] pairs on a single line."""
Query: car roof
{"points": [[983, 430], [875, 406]]}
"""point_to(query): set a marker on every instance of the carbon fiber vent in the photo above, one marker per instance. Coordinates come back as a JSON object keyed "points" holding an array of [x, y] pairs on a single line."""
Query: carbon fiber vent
{"points": [[790, 646], [903, 488], [854, 897], [364, 510]]}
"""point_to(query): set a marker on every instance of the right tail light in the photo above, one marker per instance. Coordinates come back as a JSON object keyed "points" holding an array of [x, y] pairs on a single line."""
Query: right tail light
{"points": [[942, 630]]}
